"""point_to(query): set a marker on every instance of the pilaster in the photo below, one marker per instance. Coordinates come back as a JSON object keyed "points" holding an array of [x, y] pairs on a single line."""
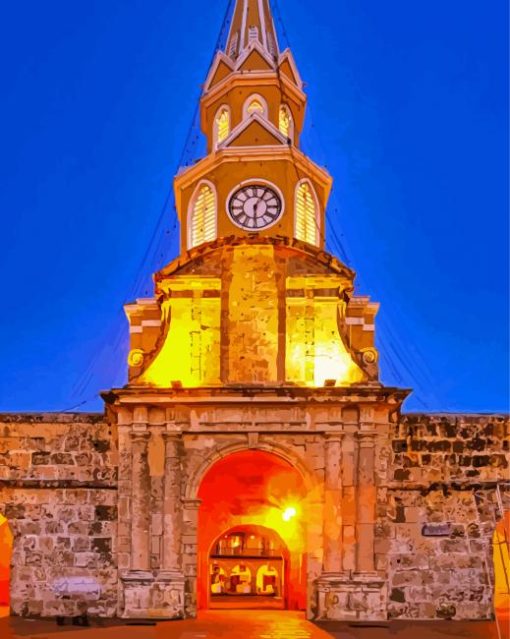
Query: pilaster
{"points": [[333, 525], [366, 503], [172, 506], [140, 506]]}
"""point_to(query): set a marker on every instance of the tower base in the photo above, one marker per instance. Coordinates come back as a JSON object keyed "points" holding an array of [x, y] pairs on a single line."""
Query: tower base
{"points": [[349, 596], [152, 595]]}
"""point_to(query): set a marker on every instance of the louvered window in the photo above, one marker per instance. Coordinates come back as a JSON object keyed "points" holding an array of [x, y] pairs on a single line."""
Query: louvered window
{"points": [[222, 124], [253, 33], [202, 223], [307, 225], [286, 123]]}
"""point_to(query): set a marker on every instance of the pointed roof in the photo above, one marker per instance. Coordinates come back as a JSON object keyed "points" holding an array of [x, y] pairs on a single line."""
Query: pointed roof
{"points": [[252, 21]]}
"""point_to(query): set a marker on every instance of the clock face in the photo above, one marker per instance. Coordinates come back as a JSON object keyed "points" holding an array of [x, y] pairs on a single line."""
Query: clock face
{"points": [[255, 206]]}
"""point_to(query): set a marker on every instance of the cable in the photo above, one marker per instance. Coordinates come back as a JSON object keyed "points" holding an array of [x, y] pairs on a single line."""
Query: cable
{"points": [[105, 363], [392, 352]]}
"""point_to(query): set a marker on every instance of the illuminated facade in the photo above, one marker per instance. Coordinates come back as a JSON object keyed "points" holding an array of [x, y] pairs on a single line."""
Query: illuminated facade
{"points": [[255, 340], [253, 459]]}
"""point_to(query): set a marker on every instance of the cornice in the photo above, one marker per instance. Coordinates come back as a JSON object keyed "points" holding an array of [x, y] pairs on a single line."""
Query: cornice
{"points": [[252, 78], [320, 256], [276, 153], [251, 394]]}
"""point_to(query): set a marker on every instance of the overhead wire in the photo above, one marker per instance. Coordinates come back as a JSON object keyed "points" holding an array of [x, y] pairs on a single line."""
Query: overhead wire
{"points": [[106, 362], [402, 367]]}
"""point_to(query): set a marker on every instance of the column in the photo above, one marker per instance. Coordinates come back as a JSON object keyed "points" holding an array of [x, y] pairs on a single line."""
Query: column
{"points": [[333, 528], [195, 565], [140, 502], [172, 505], [366, 503]]}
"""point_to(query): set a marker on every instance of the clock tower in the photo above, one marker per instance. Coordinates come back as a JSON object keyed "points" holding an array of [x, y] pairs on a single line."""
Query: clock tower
{"points": [[254, 347], [254, 179]]}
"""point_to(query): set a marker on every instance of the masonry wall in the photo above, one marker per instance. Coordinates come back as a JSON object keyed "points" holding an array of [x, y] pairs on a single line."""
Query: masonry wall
{"points": [[58, 491], [436, 516], [442, 509]]}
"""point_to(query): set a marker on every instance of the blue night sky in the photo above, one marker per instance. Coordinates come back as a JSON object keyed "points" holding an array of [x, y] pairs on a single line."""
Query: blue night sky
{"points": [[408, 111]]}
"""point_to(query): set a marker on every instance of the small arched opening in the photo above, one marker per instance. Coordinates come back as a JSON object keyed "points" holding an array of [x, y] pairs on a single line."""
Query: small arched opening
{"points": [[501, 558], [6, 539], [255, 104], [252, 532]]}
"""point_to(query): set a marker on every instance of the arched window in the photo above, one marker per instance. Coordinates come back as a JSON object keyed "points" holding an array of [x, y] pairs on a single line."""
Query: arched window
{"points": [[221, 125], [286, 123], [202, 216], [307, 208], [240, 580], [218, 579], [267, 580], [255, 104]]}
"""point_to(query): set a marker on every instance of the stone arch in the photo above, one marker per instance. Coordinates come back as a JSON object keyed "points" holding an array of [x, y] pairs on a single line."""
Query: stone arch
{"points": [[501, 562], [197, 474], [6, 554], [215, 488], [490, 513]]}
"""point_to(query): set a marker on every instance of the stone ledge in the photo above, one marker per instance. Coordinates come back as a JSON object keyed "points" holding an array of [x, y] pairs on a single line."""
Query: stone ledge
{"points": [[55, 483], [52, 418], [447, 485]]}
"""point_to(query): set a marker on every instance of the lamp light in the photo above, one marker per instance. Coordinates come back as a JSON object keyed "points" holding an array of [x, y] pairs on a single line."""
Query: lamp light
{"points": [[289, 513]]}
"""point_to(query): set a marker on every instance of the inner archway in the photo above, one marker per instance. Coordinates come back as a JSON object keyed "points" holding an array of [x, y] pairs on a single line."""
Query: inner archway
{"points": [[249, 568], [252, 533], [5, 565]]}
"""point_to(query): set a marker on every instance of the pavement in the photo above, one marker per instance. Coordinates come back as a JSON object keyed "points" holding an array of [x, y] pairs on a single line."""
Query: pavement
{"points": [[249, 625]]}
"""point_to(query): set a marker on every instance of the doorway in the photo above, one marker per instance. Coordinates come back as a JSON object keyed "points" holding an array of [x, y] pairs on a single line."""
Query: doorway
{"points": [[252, 530]]}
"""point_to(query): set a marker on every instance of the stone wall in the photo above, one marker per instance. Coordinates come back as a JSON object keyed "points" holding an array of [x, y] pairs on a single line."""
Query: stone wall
{"points": [[436, 513], [58, 491], [435, 534]]}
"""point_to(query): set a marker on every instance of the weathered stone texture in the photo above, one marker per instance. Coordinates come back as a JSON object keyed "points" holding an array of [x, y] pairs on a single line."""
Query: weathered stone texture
{"points": [[401, 521], [68, 447], [58, 492], [437, 448], [441, 515]]}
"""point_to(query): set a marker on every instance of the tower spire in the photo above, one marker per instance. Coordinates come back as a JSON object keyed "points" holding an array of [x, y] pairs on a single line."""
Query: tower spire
{"points": [[252, 22]]}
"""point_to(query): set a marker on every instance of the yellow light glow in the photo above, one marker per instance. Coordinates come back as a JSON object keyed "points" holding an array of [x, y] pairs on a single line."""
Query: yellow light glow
{"points": [[203, 217], [289, 513], [256, 106], [3, 520], [316, 351], [501, 558], [222, 125], [307, 224], [285, 121], [190, 352]]}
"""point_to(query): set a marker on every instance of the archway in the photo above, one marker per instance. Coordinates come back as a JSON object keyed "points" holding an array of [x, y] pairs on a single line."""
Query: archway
{"points": [[501, 544], [254, 506], [249, 567], [6, 539]]}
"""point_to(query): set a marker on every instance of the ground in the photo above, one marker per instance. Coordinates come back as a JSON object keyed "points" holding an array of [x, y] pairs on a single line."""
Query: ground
{"points": [[252, 625]]}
